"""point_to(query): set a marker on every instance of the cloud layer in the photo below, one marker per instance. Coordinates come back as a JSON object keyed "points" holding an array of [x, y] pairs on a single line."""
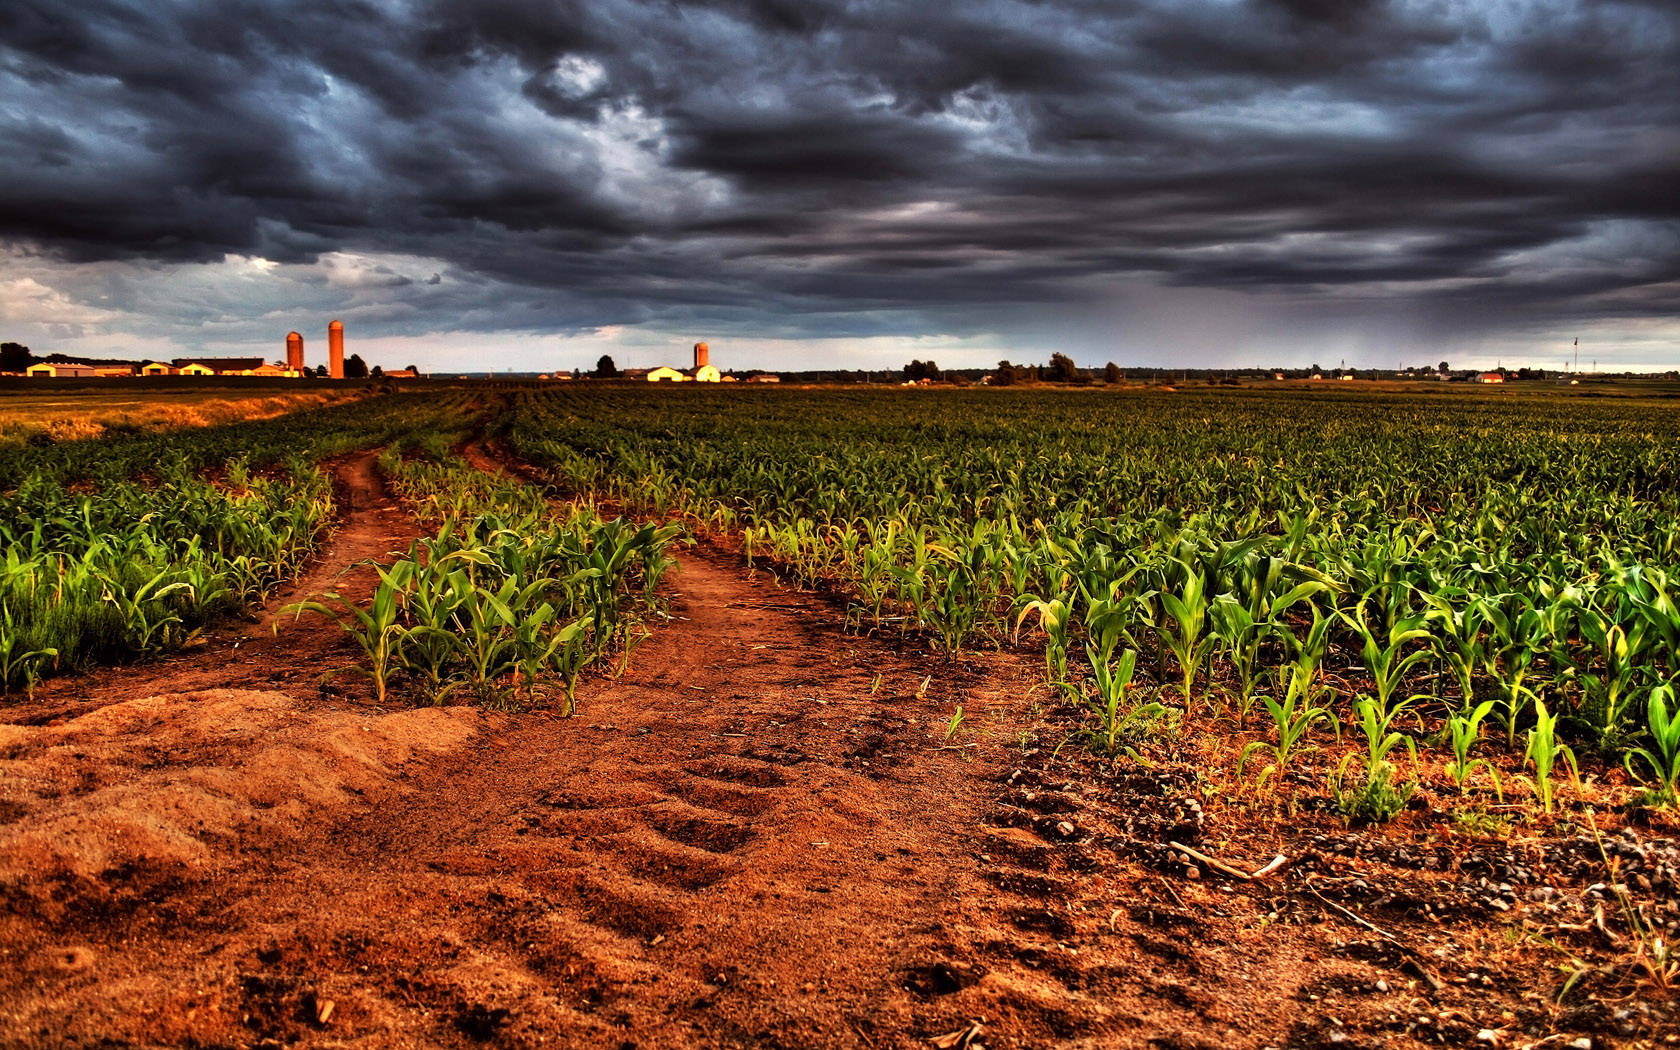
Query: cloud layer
{"points": [[1348, 172]]}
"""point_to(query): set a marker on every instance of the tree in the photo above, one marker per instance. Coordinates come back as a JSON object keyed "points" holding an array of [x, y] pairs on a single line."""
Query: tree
{"points": [[355, 367], [15, 357], [1443, 368], [1005, 374], [413, 369], [1063, 370], [377, 372], [1112, 373], [320, 371], [605, 369], [917, 370]]}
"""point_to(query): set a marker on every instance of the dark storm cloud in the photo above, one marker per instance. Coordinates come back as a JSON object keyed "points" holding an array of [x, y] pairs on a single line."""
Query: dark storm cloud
{"points": [[753, 161]]}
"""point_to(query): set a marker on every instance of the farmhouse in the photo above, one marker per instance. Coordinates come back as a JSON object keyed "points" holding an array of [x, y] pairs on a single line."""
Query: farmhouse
{"points": [[228, 366], [702, 372], [158, 368], [60, 370], [275, 369], [216, 365]]}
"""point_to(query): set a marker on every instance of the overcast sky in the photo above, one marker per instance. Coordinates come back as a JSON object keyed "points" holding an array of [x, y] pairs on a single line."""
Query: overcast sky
{"points": [[475, 184]]}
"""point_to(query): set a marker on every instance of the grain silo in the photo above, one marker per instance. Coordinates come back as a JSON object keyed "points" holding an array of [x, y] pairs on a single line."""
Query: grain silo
{"points": [[335, 349], [294, 351], [702, 356]]}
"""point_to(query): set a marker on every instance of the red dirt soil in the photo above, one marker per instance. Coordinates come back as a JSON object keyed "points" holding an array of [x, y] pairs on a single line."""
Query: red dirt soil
{"points": [[757, 836]]}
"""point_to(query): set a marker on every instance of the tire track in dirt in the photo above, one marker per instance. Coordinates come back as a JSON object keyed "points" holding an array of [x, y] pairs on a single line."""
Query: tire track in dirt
{"points": [[734, 843]]}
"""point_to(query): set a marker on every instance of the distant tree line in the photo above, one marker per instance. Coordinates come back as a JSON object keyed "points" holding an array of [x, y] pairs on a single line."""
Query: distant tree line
{"points": [[15, 357], [1061, 369]]}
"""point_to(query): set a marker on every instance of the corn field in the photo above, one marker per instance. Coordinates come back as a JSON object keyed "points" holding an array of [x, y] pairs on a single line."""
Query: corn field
{"points": [[121, 547], [511, 599], [1491, 579], [1482, 586]]}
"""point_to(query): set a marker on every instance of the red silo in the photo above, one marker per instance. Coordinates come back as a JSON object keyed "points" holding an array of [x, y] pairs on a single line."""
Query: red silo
{"points": [[335, 349], [294, 351], [702, 355]]}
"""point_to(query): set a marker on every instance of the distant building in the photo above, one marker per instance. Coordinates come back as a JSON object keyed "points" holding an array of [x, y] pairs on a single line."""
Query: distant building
{"points": [[275, 370], [229, 366], [113, 371], [764, 379], [1491, 377], [60, 370], [702, 372]]}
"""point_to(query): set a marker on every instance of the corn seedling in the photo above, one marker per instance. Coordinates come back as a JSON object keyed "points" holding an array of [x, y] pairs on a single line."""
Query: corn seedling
{"points": [[1544, 754], [1188, 639], [953, 726], [376, 628], [1292, 719], [1466, 733], [1374, 796], [1117, 727], [1662, 757], [1383, 650]]}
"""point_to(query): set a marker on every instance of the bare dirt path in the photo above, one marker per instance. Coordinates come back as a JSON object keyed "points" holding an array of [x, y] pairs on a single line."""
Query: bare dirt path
{"points": [[748, 837]]}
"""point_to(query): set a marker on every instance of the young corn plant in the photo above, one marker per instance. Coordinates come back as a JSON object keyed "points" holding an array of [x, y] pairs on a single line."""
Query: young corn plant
{"points": [[1242, 638], [19, 668], [378, 628], [1466, 732], [1382, 651], [1054, 618], [953, 727], [1545, 753], [1189, 639], [1292, 720], [958, 596], [1458, 637], [1374, 797], [1306, 649], [1609, 684], [1519, 632], [147, 621], [1108, 622], [1118, 727], [1662, 756], [571, 650]]}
